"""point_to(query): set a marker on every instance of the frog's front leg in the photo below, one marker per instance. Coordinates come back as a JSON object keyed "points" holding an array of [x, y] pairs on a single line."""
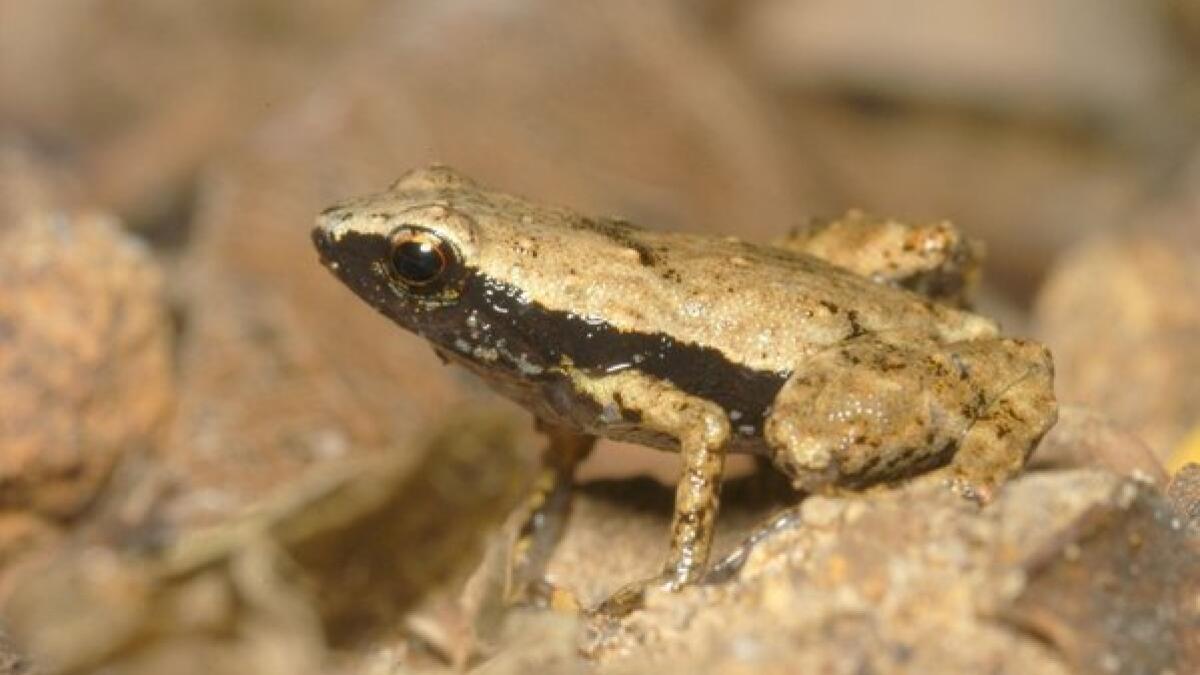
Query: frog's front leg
{"points": [[881, 408], [702, 430], [548, 508]]}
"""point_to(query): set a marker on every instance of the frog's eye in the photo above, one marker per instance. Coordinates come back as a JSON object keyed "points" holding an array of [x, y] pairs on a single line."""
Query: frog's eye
{"points": [[421, 260]]}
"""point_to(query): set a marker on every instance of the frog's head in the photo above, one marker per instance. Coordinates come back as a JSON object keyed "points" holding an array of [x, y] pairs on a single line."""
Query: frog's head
{"points": [[405, 251], [491, 280]]}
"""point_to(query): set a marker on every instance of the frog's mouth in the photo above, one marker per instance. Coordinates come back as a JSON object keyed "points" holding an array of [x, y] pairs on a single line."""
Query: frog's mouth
{"points": [[336, 253], [324, 245], [355, 259]]}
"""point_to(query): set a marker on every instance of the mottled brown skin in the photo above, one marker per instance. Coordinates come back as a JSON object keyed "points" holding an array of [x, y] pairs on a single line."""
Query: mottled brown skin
{"points": [[697, 344], [933, 259]]}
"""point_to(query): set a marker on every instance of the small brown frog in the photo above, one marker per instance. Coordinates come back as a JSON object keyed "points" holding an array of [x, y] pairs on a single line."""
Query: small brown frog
{"points": [[691, 343]]}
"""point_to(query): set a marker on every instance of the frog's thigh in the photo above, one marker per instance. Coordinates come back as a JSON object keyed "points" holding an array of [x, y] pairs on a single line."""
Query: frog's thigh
{"points": [[862, 412], [702, 430], [874, 410]]}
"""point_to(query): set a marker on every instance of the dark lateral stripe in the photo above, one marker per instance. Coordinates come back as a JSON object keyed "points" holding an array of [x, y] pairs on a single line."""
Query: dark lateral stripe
{"points": [[548, 335]]}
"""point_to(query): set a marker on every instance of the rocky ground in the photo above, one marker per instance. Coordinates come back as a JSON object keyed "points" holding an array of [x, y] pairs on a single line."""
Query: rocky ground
{"points": [[212, 460]]}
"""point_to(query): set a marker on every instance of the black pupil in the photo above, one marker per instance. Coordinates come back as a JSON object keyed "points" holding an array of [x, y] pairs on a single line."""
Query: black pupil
{"points": [[417, 262]]}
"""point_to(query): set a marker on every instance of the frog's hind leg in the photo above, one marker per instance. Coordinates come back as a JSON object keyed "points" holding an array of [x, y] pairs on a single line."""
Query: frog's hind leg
{"points": [[548, 508], [1011, 419], [887, 407], [934, 259]]}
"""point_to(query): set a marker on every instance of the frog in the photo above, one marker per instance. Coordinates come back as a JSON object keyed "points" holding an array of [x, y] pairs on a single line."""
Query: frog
{"points": [[699, 344]]}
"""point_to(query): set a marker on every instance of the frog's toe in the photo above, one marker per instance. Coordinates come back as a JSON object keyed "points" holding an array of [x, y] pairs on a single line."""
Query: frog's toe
{"points": [[980, 493], [543, 594], [972, 489], [632, 596]]}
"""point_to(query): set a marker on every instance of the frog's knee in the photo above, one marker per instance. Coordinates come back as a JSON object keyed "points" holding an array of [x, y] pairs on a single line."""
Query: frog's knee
{"points": [[807, 460]]}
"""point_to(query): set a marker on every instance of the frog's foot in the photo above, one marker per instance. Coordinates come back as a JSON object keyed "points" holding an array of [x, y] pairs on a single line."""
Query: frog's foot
{"points": [[1008, 427], [544, 594], [548, 508], [685, 565], [934, 259], [632, 597]]}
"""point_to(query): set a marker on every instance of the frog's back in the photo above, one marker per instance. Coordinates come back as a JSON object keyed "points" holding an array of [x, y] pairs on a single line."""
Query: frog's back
{"points": [[762, 307]]}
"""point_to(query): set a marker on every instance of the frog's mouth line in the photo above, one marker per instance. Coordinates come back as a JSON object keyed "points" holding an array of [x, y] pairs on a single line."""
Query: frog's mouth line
{"points": [[324, 244]]}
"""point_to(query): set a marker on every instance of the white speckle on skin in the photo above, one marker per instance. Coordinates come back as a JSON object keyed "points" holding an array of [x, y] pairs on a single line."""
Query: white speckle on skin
{"points": [[811, 454], [735, 415], [462, 345], [485, 354], [746, 430], [521, 361]]}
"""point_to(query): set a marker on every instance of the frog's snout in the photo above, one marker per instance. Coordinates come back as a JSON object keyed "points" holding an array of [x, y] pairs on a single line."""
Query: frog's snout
{"points": [[324, 244]]}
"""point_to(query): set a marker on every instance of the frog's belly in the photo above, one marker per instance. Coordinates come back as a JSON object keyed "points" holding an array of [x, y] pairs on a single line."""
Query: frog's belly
{"points": [[554, 400], [738, 444]]}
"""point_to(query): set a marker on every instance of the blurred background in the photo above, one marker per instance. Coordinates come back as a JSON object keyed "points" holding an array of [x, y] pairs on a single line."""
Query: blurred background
{"points": [[189, 145]]}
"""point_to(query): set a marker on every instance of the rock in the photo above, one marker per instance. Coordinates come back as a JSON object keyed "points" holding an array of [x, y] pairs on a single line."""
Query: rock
{"points": [[1125, 337], [85, 350], [338, 558], [1118, 594], [1066, 572], [1084, 438], [1184, 493]]}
